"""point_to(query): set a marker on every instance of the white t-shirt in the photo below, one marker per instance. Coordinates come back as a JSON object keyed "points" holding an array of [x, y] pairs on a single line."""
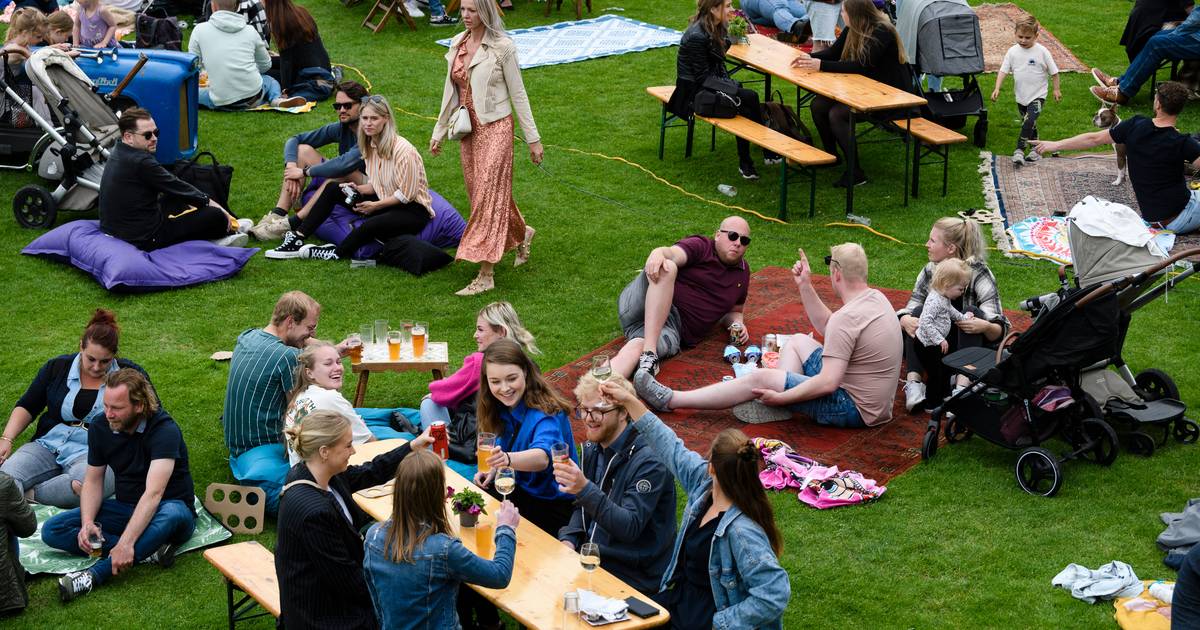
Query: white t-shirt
{"points": [[1030, 69], [316, 398]]}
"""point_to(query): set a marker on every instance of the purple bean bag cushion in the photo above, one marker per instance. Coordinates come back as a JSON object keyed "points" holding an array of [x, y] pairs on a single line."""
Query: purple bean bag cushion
{"points": [[120, 266], [444, 231]]}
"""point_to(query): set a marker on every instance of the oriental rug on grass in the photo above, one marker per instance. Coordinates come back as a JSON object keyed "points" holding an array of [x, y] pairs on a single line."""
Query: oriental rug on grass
{"points": [[996, 24], [880, 453]]}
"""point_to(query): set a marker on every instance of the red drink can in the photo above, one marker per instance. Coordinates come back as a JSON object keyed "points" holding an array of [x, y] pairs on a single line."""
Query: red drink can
{"points": [[441, 442]]}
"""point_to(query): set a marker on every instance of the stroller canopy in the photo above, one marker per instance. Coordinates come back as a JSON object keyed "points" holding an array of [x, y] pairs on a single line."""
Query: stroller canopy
{"points": [[1109, 241], [941, 37], [54, 72]]}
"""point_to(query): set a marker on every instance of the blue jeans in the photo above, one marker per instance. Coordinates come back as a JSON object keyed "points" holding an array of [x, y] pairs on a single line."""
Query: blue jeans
{"points": [[781, 14], [36, 467], [173, 522], [835, 410], [431, 411], [1164, 45], [436, 9], [1189, 218], [270, 92]]}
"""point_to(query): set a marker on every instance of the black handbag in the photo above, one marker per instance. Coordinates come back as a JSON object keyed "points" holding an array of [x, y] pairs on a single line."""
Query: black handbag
{"points": [[213, 179], [717, 98]]}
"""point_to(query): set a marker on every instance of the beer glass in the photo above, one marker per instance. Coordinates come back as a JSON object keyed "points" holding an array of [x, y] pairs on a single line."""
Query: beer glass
{"points": [[355, 350], [560, 453], [406, 327], [485, 532], [367, 333], [393, 341], [420, 334], [483, 450]]}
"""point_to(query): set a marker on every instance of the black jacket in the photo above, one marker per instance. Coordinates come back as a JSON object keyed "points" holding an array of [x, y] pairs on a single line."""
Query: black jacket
{"points": [[882, 64], [297, 57], [49, 388], [700, 56], [1147, 18], [319, 556], [631, 510], [16, 521], [130, 190]]}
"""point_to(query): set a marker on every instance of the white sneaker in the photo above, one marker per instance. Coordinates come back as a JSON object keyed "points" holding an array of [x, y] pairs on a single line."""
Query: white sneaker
{"points": [[914, 394], [1032, 157], [272, 227], [244, 226], [1018, 158], [413, 9], [291, 101], [237, 239]]}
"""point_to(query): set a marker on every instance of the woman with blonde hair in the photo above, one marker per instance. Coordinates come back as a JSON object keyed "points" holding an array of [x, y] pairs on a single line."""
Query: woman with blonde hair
{"points": [[319, 551], [483, 79], [393, 196], [870, 46], [950, 237], [414, 562], [316, 386]]}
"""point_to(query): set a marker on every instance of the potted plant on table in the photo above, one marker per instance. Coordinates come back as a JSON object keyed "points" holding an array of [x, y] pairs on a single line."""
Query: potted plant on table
{"points": [[467, 504], [738, 27]]}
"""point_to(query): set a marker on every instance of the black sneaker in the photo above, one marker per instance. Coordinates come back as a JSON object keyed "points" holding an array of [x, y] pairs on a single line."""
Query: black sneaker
{"points": [[443, 20], [649, 362], [75, 585], [844, 180], [164, 556], [748, 172], [289, 248], [320, 252]]}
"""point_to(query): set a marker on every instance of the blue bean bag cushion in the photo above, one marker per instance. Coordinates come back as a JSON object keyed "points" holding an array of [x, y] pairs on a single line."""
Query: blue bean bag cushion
{"points": [[119, 266], [444, 231]]}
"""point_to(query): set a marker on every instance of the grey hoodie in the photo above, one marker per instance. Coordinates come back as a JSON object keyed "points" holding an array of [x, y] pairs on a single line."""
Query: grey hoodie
{"points": [[233, 54]]}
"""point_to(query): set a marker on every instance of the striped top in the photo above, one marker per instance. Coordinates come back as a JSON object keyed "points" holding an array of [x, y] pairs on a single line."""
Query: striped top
{"points": [[260, 377], [402, 177]]}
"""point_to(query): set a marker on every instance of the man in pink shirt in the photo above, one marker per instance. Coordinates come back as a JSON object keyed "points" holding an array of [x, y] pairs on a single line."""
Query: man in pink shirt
{"points": [[849, 382]]}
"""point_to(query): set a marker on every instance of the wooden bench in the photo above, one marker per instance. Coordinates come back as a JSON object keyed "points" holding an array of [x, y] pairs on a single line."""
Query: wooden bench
{"points": [[932, 139], [798, 156], [249, 568]]}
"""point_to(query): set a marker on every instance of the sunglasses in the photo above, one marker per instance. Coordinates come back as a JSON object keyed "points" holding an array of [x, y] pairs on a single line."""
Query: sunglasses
{"points": [[341, 106], [829, 260], [373, 98], [734, 236], [148, 134]]}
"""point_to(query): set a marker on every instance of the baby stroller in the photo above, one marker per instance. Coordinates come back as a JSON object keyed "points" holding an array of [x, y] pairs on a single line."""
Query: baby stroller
{"points": [[71, 153], [1148, 401], [942, 38]]}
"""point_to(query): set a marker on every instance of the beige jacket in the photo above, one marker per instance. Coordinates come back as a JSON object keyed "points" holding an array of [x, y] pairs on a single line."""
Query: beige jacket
{"points": [[496, 86]]}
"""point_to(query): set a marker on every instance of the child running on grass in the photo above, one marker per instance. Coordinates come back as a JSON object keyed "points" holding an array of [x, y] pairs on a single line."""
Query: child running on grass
{"points": [[1030, 64]]}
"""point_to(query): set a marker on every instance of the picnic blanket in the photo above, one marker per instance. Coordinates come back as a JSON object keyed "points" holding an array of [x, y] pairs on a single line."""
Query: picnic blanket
{"points": [[879, 453], [299, 109], [996, 22], [568, 42], [37, 558]]}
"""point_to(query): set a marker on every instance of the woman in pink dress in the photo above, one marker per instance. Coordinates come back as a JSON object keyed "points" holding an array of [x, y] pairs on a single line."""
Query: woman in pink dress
{"points": [[483, 76]]}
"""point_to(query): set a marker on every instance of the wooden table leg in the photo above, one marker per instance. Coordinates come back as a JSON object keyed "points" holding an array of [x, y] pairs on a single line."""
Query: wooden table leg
{"points": [[437, 374], [360, 392]]}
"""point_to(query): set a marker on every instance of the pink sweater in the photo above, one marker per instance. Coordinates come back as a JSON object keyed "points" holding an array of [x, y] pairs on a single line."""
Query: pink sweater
{"points": [[450, 392]]}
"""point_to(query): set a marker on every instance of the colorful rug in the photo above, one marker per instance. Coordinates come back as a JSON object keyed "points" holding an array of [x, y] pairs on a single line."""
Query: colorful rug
{"points": [[879, 453], [568, 42], [996, 22]]}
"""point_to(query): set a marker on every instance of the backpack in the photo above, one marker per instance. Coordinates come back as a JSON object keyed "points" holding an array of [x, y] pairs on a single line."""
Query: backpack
{"points": [[160, 30], [782, 118]]}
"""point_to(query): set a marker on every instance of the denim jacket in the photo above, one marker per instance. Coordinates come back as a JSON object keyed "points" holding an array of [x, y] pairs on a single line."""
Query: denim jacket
{"points": [[750, 589], [422, 594]]}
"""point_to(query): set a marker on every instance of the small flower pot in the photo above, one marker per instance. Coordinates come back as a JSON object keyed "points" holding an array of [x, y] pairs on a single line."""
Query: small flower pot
{"points": [[466, 519]]}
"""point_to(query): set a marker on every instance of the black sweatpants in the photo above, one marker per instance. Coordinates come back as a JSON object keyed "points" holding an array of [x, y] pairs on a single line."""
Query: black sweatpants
{"points": [[408, 218], [1029, 116], [920, 358], [188, 224]]}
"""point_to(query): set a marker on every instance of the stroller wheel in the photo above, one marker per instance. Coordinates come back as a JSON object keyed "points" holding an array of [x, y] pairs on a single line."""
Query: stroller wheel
{"points": [[1103, 440], [34, 207], [957, 430], [1186, 431], [929, 444], [1038, 472], [1155, 384], [1140, 443]]}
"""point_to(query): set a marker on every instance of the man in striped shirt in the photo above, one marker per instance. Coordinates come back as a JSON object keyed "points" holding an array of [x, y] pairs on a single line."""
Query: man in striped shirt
{"points": [[260, 377]]}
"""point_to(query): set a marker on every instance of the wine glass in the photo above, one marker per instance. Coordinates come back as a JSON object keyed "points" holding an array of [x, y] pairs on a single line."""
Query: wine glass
{"points": [[602, 370], [506, 481], [589, 558]]}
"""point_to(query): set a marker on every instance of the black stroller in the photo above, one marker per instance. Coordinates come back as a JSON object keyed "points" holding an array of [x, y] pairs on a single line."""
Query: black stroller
{"points": [[942, 39]]}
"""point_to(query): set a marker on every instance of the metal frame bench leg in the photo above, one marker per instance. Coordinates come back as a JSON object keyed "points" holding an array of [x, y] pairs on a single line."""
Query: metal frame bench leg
{"points": [[945, 167], [908, 143], [916, 171], [237, 611], [783, 189], [691, 129], [662, 131]]}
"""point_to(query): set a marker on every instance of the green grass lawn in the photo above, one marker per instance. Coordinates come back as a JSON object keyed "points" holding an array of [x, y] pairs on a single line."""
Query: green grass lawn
{"points": [[955, 543]]}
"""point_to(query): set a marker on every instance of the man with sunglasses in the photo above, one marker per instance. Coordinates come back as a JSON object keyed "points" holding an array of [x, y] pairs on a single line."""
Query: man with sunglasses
{"points": [[849, 382], [146, 205], [301, 158], [683, 291], [624, 496]]}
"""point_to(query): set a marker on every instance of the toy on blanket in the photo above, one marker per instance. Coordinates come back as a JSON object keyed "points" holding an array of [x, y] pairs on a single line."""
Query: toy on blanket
{"points": [[820, 486]]}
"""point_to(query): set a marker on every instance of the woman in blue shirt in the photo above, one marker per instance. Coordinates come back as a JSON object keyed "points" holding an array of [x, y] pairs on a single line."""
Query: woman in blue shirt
{"points": [[528, 418], [415, 564], [724, 572]]}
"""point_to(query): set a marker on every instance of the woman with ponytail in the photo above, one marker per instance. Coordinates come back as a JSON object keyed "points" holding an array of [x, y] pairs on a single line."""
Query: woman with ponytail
{"points": [[68, 392], [724, 571]]}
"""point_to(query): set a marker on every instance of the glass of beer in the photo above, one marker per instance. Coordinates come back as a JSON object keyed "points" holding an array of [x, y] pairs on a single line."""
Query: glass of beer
{"points": [[485, 543], [96, 543], [420, 332], [393, 340], [483, 450], [406, 327], [355, 348], [506, 481], [589, 558], [560, 452]]}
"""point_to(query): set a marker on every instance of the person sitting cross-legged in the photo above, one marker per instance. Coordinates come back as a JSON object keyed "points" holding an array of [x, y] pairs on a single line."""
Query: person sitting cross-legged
{"points": [[145, 205], [683, 291], [850, 382], [153, 511]]}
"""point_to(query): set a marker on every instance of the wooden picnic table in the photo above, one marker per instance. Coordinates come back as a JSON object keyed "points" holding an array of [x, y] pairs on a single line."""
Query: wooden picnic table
{"points": [[543, 568], [436, 360], [861, 94]]}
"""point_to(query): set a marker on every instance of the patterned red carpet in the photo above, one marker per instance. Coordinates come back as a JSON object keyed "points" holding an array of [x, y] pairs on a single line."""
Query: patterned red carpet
{"points": [[774, 306]]}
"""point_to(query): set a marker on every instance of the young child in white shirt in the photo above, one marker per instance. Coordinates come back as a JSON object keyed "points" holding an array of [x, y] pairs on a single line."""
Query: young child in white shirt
{"points": [[1030, 64], [950, 278]]}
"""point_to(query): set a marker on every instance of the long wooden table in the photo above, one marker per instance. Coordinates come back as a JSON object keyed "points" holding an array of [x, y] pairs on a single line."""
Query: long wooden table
{"points": [[543, 570], [861, 94]]}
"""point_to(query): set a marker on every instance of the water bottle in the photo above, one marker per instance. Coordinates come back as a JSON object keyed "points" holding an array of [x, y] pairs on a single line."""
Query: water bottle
{"points": [[727, 190]]}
